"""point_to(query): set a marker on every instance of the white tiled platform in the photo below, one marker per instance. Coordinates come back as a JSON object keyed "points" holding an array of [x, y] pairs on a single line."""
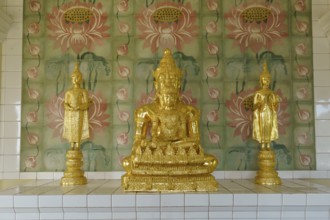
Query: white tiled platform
{"points": [[104, 199]]}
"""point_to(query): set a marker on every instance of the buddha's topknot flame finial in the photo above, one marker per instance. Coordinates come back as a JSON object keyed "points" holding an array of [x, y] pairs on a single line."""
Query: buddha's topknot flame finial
{"points": [[265, 72], [76, 70], [167, 67]]}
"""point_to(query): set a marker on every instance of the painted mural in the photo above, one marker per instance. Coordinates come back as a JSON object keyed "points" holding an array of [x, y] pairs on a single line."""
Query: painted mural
{"points": [[219, 44]]}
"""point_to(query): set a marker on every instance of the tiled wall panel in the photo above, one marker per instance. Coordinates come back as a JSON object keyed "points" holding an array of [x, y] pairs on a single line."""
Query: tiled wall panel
{"points": [[10, 99]]}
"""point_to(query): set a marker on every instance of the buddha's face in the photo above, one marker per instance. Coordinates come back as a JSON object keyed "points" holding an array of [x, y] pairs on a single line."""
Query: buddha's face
{"points": [[168, 88], [168, 82], [265, 81], [76, 79]]}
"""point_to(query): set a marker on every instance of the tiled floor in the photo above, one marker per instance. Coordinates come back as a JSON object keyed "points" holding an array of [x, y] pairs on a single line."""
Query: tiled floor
{"points": [[104, 199]]}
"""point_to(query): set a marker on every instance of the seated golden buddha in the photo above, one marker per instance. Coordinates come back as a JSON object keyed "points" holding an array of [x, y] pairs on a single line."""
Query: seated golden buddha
{"points": [[166, 153]]}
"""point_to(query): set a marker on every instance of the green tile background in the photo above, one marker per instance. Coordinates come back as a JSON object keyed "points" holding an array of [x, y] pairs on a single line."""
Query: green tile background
{"points": [[295, 149]]}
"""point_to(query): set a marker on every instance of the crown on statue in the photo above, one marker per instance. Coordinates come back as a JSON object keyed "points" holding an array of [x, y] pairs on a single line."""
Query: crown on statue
{"points": [[167, 68], [76, 71]]}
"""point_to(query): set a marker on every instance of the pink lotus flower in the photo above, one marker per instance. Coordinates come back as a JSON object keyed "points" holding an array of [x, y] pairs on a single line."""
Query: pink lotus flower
{"points": [[34, 5], [187, 98], [241, 119], [302, 93], [301, 49], [122, 94], [302, 26], [123, 71], [124, 116], [32, 117], [122, 5], [55, 114], [33, 138], [122, 50], [34, 49], [32, 72], [212, 71], [214, 138], [33, 94], [145, 99], [30, 162], [212, 116], [300, 5], [304, 115], [212, 5], [305, 160], [123, 27], [122, 138], [211, 27], [302, 70], [97, 116], [213, 93], [78, 35], [161, 35], [33, 28], [213, 49], [302, 138], [256, 34]]}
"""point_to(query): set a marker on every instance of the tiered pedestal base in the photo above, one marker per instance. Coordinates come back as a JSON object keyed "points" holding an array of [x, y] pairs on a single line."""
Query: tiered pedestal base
{"points": [[186, 183], [73, 175], [267, 174]]}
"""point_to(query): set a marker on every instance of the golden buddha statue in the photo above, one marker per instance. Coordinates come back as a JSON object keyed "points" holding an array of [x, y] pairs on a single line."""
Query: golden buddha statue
{"points": [[265, 105], [75, 129], [76, 103], [265, 129], [166, 153]]}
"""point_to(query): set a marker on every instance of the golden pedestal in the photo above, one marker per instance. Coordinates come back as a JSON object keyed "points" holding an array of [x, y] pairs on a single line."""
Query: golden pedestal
{"points": [[74, 175], [170, 174], [267, 175], [189, 183]]}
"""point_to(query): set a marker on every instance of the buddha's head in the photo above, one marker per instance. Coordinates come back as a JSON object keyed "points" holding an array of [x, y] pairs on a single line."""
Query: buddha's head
{"points": [[167, 80], [76, 76], [265, 77]]}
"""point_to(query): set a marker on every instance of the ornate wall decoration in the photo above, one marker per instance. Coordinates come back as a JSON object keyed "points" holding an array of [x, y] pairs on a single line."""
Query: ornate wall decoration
{"points": [[220, 46]]}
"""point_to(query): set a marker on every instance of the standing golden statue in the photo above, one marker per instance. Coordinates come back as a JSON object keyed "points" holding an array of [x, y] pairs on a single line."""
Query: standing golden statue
{"points": [[166, 153], [265, 105], [265, 129], [75, 129]]}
